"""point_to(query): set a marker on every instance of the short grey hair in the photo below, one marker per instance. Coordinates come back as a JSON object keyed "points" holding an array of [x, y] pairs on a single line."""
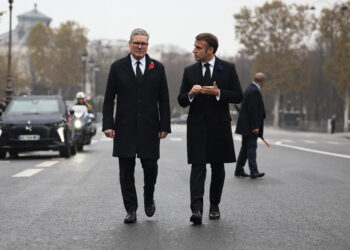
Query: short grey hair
{"points": [[259, 77], [138, 31]]}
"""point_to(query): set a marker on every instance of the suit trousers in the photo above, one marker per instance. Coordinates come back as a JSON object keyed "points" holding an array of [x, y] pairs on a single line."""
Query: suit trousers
{"points": [[248, 151], [197, 181], [127, 181]]}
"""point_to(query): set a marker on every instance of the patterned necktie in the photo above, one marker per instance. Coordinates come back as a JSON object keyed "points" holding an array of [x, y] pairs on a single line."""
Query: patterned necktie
{"points": [[207, 77], [138, 71]]}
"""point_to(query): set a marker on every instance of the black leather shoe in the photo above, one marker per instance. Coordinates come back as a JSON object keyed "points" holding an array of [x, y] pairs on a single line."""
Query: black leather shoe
{"points": [[214, 213], [241, 174], [256, 175], [130, 217], [196, 218], [150, 209]]}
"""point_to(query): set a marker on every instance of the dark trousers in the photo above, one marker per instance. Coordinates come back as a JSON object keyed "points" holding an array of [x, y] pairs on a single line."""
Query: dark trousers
{"points": [[127, 181], [248, 151], [197, 180]]}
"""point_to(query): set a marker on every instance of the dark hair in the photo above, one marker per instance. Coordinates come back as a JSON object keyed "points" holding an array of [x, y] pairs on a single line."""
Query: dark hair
{"points": [[210, 39]]}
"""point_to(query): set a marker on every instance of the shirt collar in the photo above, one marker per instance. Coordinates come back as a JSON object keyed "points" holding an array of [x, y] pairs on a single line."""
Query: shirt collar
{"points": [[134, 61], [211, 62], [256, 85]]}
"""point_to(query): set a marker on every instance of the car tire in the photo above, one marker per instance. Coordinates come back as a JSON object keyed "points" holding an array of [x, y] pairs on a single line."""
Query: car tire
{"points": [[80, 146], [13, 154], [2, 154], [74, 148]]}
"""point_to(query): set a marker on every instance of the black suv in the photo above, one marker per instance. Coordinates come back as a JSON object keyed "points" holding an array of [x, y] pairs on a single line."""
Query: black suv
{"points": [[32, 123]]}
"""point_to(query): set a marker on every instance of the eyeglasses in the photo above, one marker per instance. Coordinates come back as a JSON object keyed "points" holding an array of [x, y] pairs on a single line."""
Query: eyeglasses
{"points": [[137, 44]]}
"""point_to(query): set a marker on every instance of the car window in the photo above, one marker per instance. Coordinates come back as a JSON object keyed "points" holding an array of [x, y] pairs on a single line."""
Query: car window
{"points": [[33, 106]]}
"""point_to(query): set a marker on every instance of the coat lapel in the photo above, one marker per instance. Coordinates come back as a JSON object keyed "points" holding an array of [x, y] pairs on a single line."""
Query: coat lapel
{"points": [[128, 68], [147, 70], [217, 72], [199, 74]]}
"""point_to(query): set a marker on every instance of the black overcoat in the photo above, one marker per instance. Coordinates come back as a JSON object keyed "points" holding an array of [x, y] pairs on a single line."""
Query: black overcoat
{"points": [[209, 134], [252, 112], [142, 109]]}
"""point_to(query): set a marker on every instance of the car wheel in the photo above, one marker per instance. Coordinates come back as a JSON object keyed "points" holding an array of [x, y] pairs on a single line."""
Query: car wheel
{"points": [[80, 146], [13, 154], [2, 154], [66, 151], [74, 148]]}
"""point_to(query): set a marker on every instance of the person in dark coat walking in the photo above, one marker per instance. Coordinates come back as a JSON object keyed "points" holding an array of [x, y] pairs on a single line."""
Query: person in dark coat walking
{"points": [[250, 125], [142, 118], [208, 87]]}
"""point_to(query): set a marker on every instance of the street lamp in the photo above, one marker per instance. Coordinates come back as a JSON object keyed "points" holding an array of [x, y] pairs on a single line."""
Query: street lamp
{"points": [[91, 65], [84, 59], [9, 90]]}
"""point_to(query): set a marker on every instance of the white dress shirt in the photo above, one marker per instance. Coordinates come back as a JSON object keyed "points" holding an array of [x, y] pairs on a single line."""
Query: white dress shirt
{"points": [[142, 64], [257, 85], [211, 67]]}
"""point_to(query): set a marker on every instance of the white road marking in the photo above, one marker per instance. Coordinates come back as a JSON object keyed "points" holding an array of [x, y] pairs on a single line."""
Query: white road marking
{"points": [[333, 142], [237, 138], [46, 164], [28, 172], [106, 139], [309, 141], [94, 141], [5, 162], [279, 143], [286, 140], [175, 139]]}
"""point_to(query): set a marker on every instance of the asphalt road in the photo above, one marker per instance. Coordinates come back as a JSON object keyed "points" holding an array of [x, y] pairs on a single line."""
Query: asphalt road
{"points": [[303, 202]]}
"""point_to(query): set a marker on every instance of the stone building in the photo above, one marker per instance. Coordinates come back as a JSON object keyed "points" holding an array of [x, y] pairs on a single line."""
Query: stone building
{"points": [[20, 36]]}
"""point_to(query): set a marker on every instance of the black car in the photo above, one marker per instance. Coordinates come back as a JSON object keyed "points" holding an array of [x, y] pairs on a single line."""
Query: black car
{"points": [[32, 123]]}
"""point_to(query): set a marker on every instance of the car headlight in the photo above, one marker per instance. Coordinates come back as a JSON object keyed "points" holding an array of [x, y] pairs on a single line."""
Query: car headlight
{"points": [[0, 132], [78, 124], [60, 132]]}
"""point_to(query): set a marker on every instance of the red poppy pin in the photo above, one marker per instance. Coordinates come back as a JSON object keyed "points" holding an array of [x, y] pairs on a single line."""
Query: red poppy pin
{"points": [[151, 65]]}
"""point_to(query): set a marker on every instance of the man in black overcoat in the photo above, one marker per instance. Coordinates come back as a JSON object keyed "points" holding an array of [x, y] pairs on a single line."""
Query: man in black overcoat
{"points": [[142, 118], [208, 87], [250, 125]]}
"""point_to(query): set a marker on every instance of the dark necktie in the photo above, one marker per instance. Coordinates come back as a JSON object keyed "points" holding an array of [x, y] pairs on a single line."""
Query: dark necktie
{"points": [[138, 71], [207, 77]]}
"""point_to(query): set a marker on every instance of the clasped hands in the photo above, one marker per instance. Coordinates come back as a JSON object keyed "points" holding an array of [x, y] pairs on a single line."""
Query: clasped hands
{"points": [[111, 133], [205, 90]]}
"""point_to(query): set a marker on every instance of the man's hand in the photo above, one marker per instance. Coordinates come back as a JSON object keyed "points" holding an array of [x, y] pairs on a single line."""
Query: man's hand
{"points": [[196, 89], [210, 90], [162, 135], [109, 133], [255, 131]]}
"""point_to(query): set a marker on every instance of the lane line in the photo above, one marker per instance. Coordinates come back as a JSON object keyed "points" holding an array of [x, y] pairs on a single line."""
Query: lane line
{"points": [[46, 164], [28, 172], [309, 141], [333, 142], [279, 143], [5, 162], [237, 138], [175, 139]]}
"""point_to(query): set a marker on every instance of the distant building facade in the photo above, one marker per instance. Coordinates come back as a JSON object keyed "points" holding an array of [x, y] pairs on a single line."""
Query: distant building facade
{"points": [[20, 37]]}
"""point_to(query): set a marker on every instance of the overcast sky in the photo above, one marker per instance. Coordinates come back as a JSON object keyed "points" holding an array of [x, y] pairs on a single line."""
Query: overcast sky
{"points": [[168, 22]]}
